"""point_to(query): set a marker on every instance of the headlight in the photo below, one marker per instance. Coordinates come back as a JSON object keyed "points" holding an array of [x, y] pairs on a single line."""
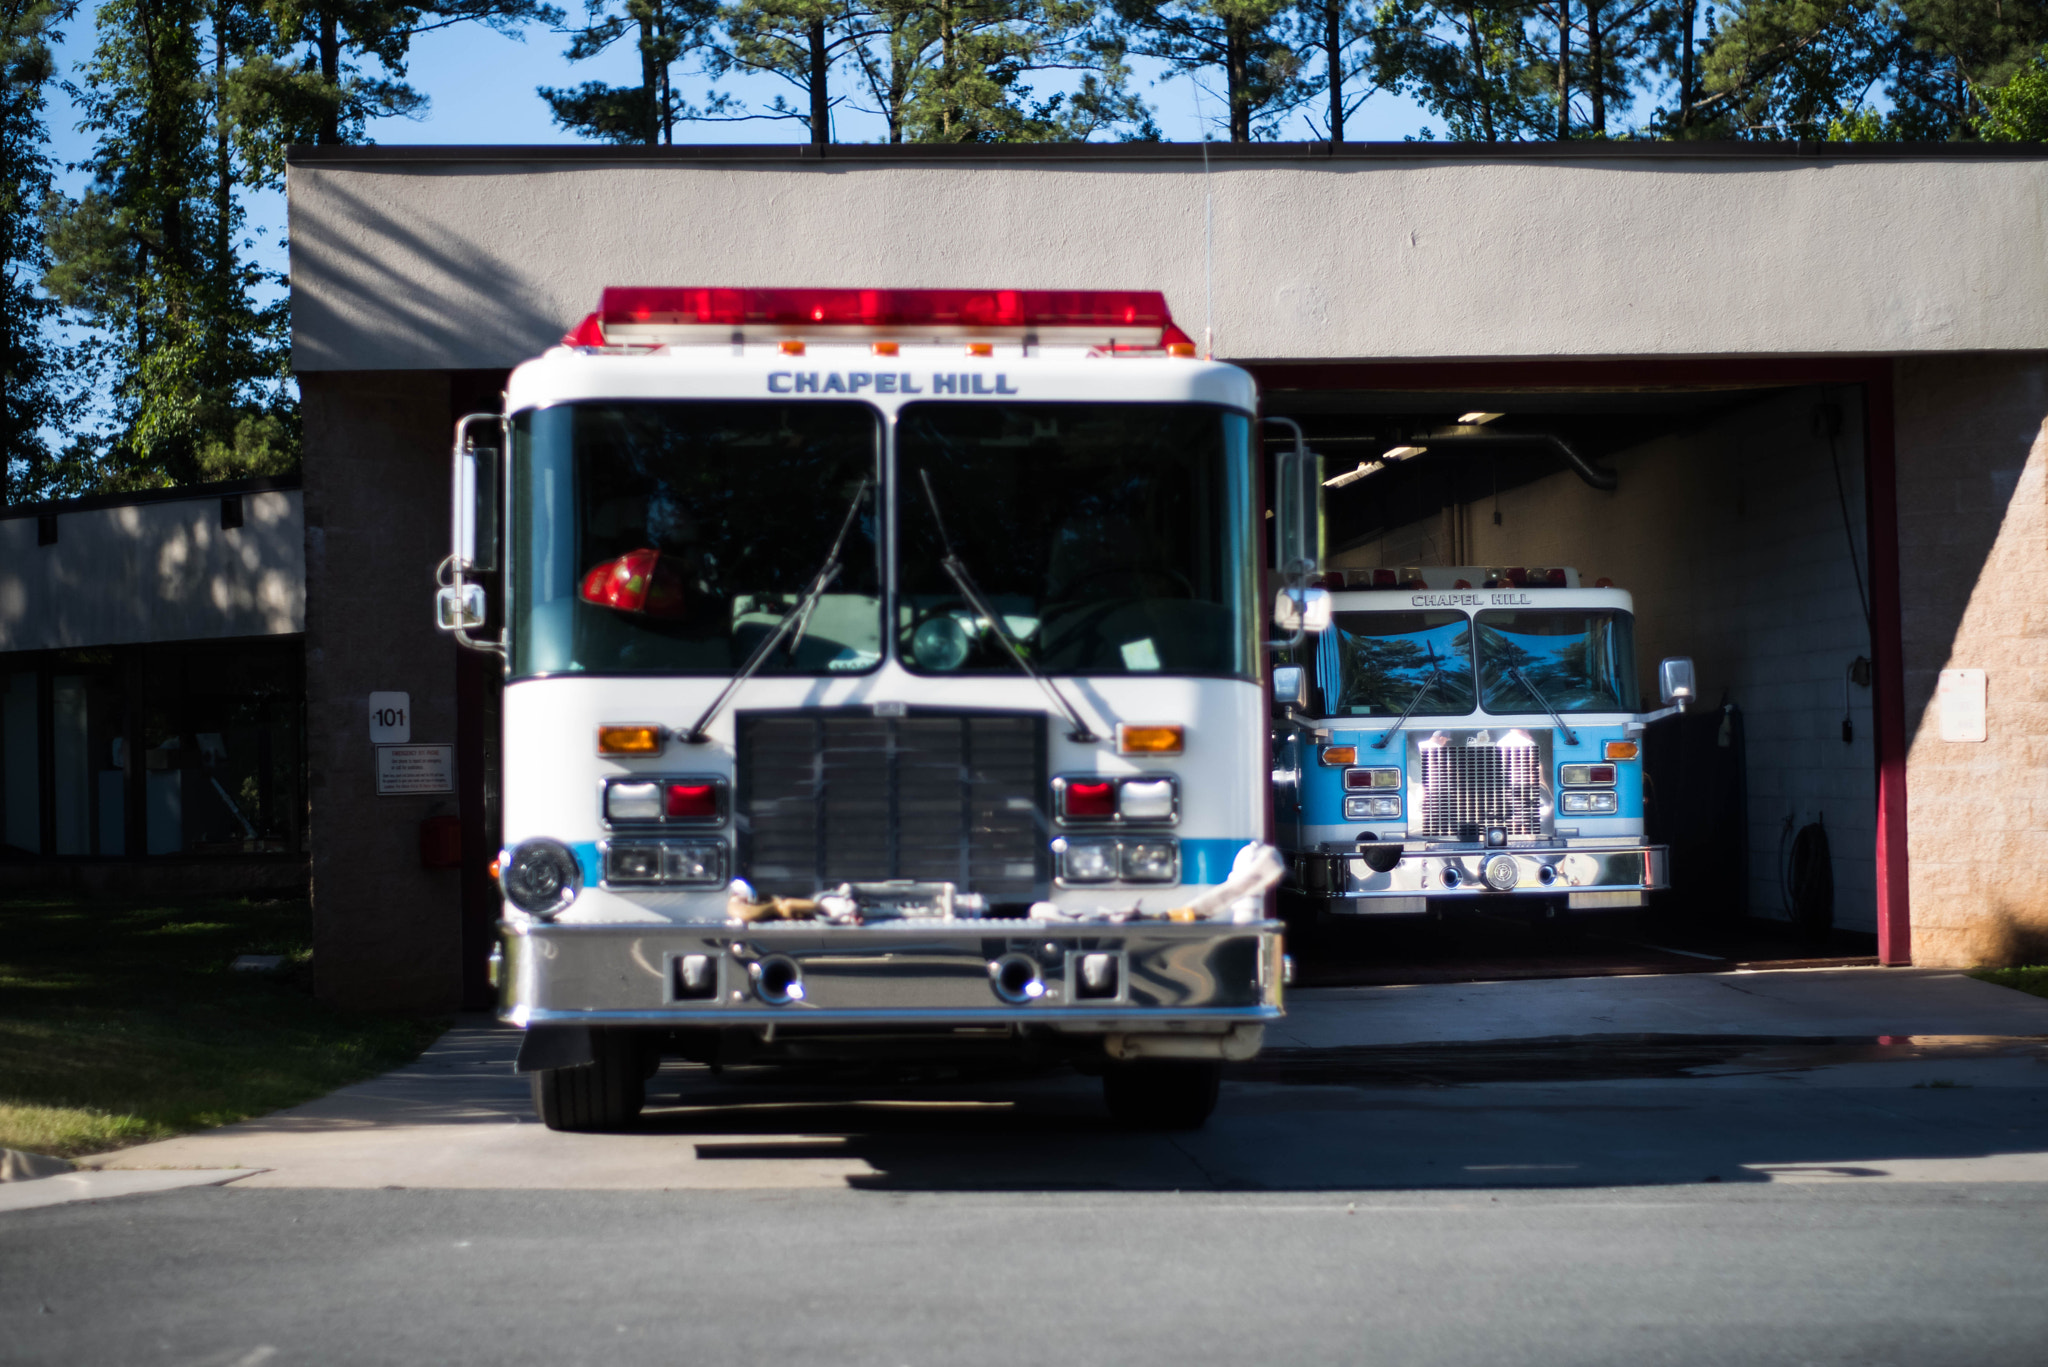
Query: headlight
{"points": [[1151, 861], [542, 877], [653, 863], [1088, 861], [1362, 808], [1580, 804]]}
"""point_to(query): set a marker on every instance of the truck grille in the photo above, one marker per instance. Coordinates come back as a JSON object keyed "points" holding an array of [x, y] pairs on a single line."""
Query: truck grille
{"points": [[1467, 788], [825, 798]]}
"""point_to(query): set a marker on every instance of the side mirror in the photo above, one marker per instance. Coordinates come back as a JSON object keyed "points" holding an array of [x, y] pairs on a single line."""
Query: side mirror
{"points": [[1674, 680], [1302, 610], [1290, 687], [1297, 498], [460, 607]]}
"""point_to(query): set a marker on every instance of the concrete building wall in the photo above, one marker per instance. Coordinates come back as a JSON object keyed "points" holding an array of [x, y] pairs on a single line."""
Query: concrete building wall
{"points": [[155, 572], [1730, 539], [436, 258], [1973, 537], [386, 931]]}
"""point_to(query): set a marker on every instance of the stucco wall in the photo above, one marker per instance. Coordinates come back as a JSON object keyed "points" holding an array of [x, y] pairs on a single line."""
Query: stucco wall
{"points": [[1730, 540], [1973, 537], [408, 263], [386, 932], [155, 572]]}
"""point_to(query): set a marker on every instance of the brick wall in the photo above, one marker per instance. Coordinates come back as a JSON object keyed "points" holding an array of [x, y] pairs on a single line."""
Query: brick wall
{"points": [[1973, 539], [387, 932]]}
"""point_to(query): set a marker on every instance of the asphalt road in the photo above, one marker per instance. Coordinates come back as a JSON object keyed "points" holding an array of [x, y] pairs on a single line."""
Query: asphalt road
{"points": [[1731, 1170]]}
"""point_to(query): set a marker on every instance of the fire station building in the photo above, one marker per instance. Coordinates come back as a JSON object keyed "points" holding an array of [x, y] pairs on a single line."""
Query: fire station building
{"points": [[1817, 376]]}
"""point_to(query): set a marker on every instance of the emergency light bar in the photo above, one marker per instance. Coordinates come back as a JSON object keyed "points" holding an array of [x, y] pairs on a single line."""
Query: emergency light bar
{"points": [[1120, 320]]}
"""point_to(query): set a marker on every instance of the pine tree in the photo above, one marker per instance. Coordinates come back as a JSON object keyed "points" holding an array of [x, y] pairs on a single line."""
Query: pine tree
{"points": [[1256, 46], [663, 32], [1476, 66], [801, 42], [150, 257], [39, 389]]}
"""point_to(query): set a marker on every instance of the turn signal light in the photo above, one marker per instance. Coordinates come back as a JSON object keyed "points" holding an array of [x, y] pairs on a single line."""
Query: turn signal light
{"points": [[1622, 749], [1150, 740], [1339, 754], [630, 740]]}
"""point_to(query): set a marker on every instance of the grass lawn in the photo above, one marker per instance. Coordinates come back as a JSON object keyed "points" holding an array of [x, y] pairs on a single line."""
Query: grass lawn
{"points": [[2034, 980], [122, 1022]]}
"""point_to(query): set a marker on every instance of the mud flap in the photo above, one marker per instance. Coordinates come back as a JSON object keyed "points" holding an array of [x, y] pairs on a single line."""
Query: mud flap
{"points": [[554, 1046]]}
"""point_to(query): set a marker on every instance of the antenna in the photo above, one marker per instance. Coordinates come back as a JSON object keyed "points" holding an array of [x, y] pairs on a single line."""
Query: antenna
{"points": [[1208, 232]]}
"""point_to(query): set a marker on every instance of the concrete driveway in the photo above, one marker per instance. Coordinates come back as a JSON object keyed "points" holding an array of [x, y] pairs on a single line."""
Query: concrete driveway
{"points": [[1850, 1075]]}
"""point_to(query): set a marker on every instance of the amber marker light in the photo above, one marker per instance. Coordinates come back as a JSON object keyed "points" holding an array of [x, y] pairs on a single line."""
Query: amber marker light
{"points": [[1339, 754], [1150, 740], [981, 348], [1183, 350], [1622, 749], [886, 349], [630, 740], [791, 346]]}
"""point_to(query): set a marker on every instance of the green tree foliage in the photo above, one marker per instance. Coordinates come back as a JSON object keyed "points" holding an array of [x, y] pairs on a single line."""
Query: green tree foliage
{"points": [[1863, 69], [962, 71], [663, 32], [800, 42], [2018, 110], [1473, 65], [40, 377], [152, 257], [1255, 46]]}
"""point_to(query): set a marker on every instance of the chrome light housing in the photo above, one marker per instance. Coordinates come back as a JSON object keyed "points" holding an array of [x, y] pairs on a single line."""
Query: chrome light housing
{"points": [[542, 877]]}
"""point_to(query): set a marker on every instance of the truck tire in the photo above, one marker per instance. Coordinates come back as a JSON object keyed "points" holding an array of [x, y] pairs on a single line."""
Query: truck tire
{"points": [[604, 1094], [1162, 1094]]}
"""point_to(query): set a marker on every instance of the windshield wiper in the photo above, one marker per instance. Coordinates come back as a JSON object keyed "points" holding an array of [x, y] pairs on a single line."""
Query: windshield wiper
{"points": [[797, 617], [1515, 672], [956, 570], [1435, 669]]}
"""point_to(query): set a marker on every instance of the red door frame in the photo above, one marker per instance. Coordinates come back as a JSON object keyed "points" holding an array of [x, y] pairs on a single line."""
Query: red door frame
{"points": [[1881, 521]]}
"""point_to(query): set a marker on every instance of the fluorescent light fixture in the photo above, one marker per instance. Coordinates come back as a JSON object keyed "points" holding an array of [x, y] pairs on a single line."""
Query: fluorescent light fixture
{"points": [[1404, 452], [1353, 476], [1475, 419]]}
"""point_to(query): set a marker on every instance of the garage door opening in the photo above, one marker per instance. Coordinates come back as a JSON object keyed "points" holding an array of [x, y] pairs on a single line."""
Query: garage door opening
{"points": [[1735, 515]]}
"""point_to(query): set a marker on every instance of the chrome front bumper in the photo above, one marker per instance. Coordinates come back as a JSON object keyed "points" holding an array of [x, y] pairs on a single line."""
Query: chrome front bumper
{"points": [[1589, 878], [1201, 977]]}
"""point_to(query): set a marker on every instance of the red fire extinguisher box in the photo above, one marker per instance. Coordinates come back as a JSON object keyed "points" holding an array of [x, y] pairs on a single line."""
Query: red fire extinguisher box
{"points": [[441, 842]]}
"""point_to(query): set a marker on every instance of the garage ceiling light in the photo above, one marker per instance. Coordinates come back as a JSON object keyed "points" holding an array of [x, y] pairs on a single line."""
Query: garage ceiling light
{"points": [[1353, 476], [1475, 419], [1404, 452]]}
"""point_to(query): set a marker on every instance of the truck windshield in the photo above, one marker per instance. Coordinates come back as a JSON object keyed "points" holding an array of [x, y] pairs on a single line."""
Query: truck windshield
{"points": [[1372, 664], [1578, 660], [668, 537], [1111, 538]]}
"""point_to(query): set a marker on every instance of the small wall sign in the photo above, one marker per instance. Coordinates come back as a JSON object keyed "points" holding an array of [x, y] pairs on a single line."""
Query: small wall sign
{"points": [[415, 769], [1960, 694], [390, 718]]}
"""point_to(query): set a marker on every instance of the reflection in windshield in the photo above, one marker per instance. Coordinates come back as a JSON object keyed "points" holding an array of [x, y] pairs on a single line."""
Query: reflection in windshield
{"points": [[1372, 664], [1106, 536], [1579, 660], [671, 537]]}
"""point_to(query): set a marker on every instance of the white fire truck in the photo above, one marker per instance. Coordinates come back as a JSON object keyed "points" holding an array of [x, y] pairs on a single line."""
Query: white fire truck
{"points": [[884, 677]]}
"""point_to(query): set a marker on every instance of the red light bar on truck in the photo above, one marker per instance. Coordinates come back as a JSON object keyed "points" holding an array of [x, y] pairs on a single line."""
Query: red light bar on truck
{"points": [[1122, 320]]}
